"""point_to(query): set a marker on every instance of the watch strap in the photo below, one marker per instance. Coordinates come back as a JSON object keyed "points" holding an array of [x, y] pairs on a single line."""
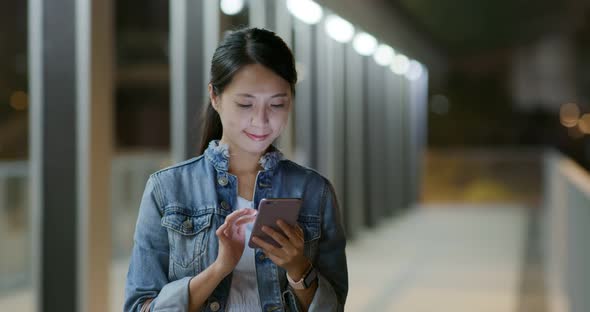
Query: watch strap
{"points": [[306, 280]]}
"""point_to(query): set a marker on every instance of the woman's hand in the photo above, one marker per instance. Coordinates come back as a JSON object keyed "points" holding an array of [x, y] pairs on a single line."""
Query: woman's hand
{"points": [[231, 236], [290, 255]]}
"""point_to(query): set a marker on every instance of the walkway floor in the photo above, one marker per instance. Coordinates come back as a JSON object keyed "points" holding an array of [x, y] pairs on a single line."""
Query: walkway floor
{"points": [[440, 259], [458, 258]]}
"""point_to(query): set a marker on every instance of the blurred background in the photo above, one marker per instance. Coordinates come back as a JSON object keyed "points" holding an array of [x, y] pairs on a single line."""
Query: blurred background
{"points": [[457, 136]]}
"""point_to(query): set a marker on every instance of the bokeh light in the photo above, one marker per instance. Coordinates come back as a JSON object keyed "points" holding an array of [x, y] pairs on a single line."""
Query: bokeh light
{"points": [[339, 29], [364, 44], [306, 11], [384, 55], [575, 133], [439, 104], [584, 124], [414, 71], [400, 64], [19, 100], [231, 7], [569, 114]]}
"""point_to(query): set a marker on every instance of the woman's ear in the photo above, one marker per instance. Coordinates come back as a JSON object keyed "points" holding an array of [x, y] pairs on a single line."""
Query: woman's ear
{"points": [[214, 98]]}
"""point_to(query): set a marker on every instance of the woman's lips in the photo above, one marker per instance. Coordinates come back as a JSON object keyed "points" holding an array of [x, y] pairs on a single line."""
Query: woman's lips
{"points": [[257, 137]]}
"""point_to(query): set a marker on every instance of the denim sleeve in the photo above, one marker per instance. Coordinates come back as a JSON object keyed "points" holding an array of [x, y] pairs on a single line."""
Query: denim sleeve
{"points": [[325, 299], [331, 261], [147, 277]]}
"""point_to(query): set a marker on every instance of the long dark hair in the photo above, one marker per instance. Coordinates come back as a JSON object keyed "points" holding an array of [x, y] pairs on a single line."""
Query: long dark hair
{"points": [[239, 48]]}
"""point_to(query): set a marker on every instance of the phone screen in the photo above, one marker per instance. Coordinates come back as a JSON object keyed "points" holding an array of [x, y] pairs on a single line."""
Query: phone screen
{"points": [[269, 211]]}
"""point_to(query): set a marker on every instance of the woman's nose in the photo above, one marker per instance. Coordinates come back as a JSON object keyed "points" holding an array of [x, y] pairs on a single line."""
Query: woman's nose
{"points": [[260, 117]]}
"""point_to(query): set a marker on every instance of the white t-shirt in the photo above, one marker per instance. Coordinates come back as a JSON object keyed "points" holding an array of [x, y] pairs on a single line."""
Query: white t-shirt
{"points": [[243, 295]]}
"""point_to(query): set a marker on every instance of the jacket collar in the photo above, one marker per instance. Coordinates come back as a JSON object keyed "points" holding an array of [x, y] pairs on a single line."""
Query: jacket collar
{"points": [[218, 154]]}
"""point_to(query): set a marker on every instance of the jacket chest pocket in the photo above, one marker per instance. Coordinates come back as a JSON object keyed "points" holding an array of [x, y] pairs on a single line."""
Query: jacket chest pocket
{"points": [[311, 234], [186, 237]]}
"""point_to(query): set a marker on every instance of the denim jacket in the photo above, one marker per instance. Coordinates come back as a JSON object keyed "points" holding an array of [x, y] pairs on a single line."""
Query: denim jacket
{"points": [[183, 205]]}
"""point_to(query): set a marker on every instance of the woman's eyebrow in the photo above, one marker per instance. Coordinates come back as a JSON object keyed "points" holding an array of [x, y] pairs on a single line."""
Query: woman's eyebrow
{"points": [[252, 96], [245, 95], [279, 95]]}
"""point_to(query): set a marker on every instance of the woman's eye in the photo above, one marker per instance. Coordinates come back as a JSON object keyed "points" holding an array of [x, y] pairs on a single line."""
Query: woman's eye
{"points": [[278, 105], [244, 105]]}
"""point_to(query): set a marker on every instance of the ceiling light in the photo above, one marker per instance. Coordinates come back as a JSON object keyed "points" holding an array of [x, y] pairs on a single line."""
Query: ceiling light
{"points": [[339, 29], [384, 55], [414, 70], [307, 11], [231, 7], [400, 64], [364, 44]]}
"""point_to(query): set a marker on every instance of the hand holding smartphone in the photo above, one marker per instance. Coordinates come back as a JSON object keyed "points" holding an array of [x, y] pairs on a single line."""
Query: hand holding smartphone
{"points": [[269, 211]]}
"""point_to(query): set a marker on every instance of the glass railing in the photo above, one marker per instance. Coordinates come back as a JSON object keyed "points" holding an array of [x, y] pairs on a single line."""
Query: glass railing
{"points": [[130, 171], [15, 238], [566, 232]]}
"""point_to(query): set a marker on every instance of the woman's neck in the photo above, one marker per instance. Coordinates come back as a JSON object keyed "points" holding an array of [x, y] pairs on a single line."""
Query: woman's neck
{"points": [[241, 162]]}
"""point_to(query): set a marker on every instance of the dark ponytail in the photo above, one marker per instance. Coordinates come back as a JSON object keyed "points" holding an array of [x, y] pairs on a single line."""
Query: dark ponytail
{"points": [[212, 129], [237, 49]]}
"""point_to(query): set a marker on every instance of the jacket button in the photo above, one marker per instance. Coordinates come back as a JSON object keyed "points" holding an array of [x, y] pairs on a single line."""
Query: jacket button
{"points": [[214, 306], [188, 224], [261, 256], [225, 205], [222, 181]]}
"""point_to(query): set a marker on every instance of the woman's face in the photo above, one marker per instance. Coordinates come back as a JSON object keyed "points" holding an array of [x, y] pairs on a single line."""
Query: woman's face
{"points": [[254, 108]]}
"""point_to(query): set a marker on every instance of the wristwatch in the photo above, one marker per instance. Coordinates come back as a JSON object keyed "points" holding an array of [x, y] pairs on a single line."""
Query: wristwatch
{"points": [[306, 280]]}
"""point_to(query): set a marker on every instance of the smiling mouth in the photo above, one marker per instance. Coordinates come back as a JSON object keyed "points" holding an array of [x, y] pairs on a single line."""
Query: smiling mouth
{"points": [[257, 137]]}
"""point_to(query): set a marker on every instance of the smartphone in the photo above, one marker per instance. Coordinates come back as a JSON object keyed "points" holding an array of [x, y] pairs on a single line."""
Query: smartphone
{"points": [[269, 211]]}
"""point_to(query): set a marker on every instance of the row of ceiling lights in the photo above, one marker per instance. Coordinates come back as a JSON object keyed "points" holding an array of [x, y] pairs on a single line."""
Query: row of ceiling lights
{"points": [[343, 31]]}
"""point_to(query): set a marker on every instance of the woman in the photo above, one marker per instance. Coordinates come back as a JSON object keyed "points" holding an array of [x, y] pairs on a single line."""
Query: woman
{"points": [[195, 217]]}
